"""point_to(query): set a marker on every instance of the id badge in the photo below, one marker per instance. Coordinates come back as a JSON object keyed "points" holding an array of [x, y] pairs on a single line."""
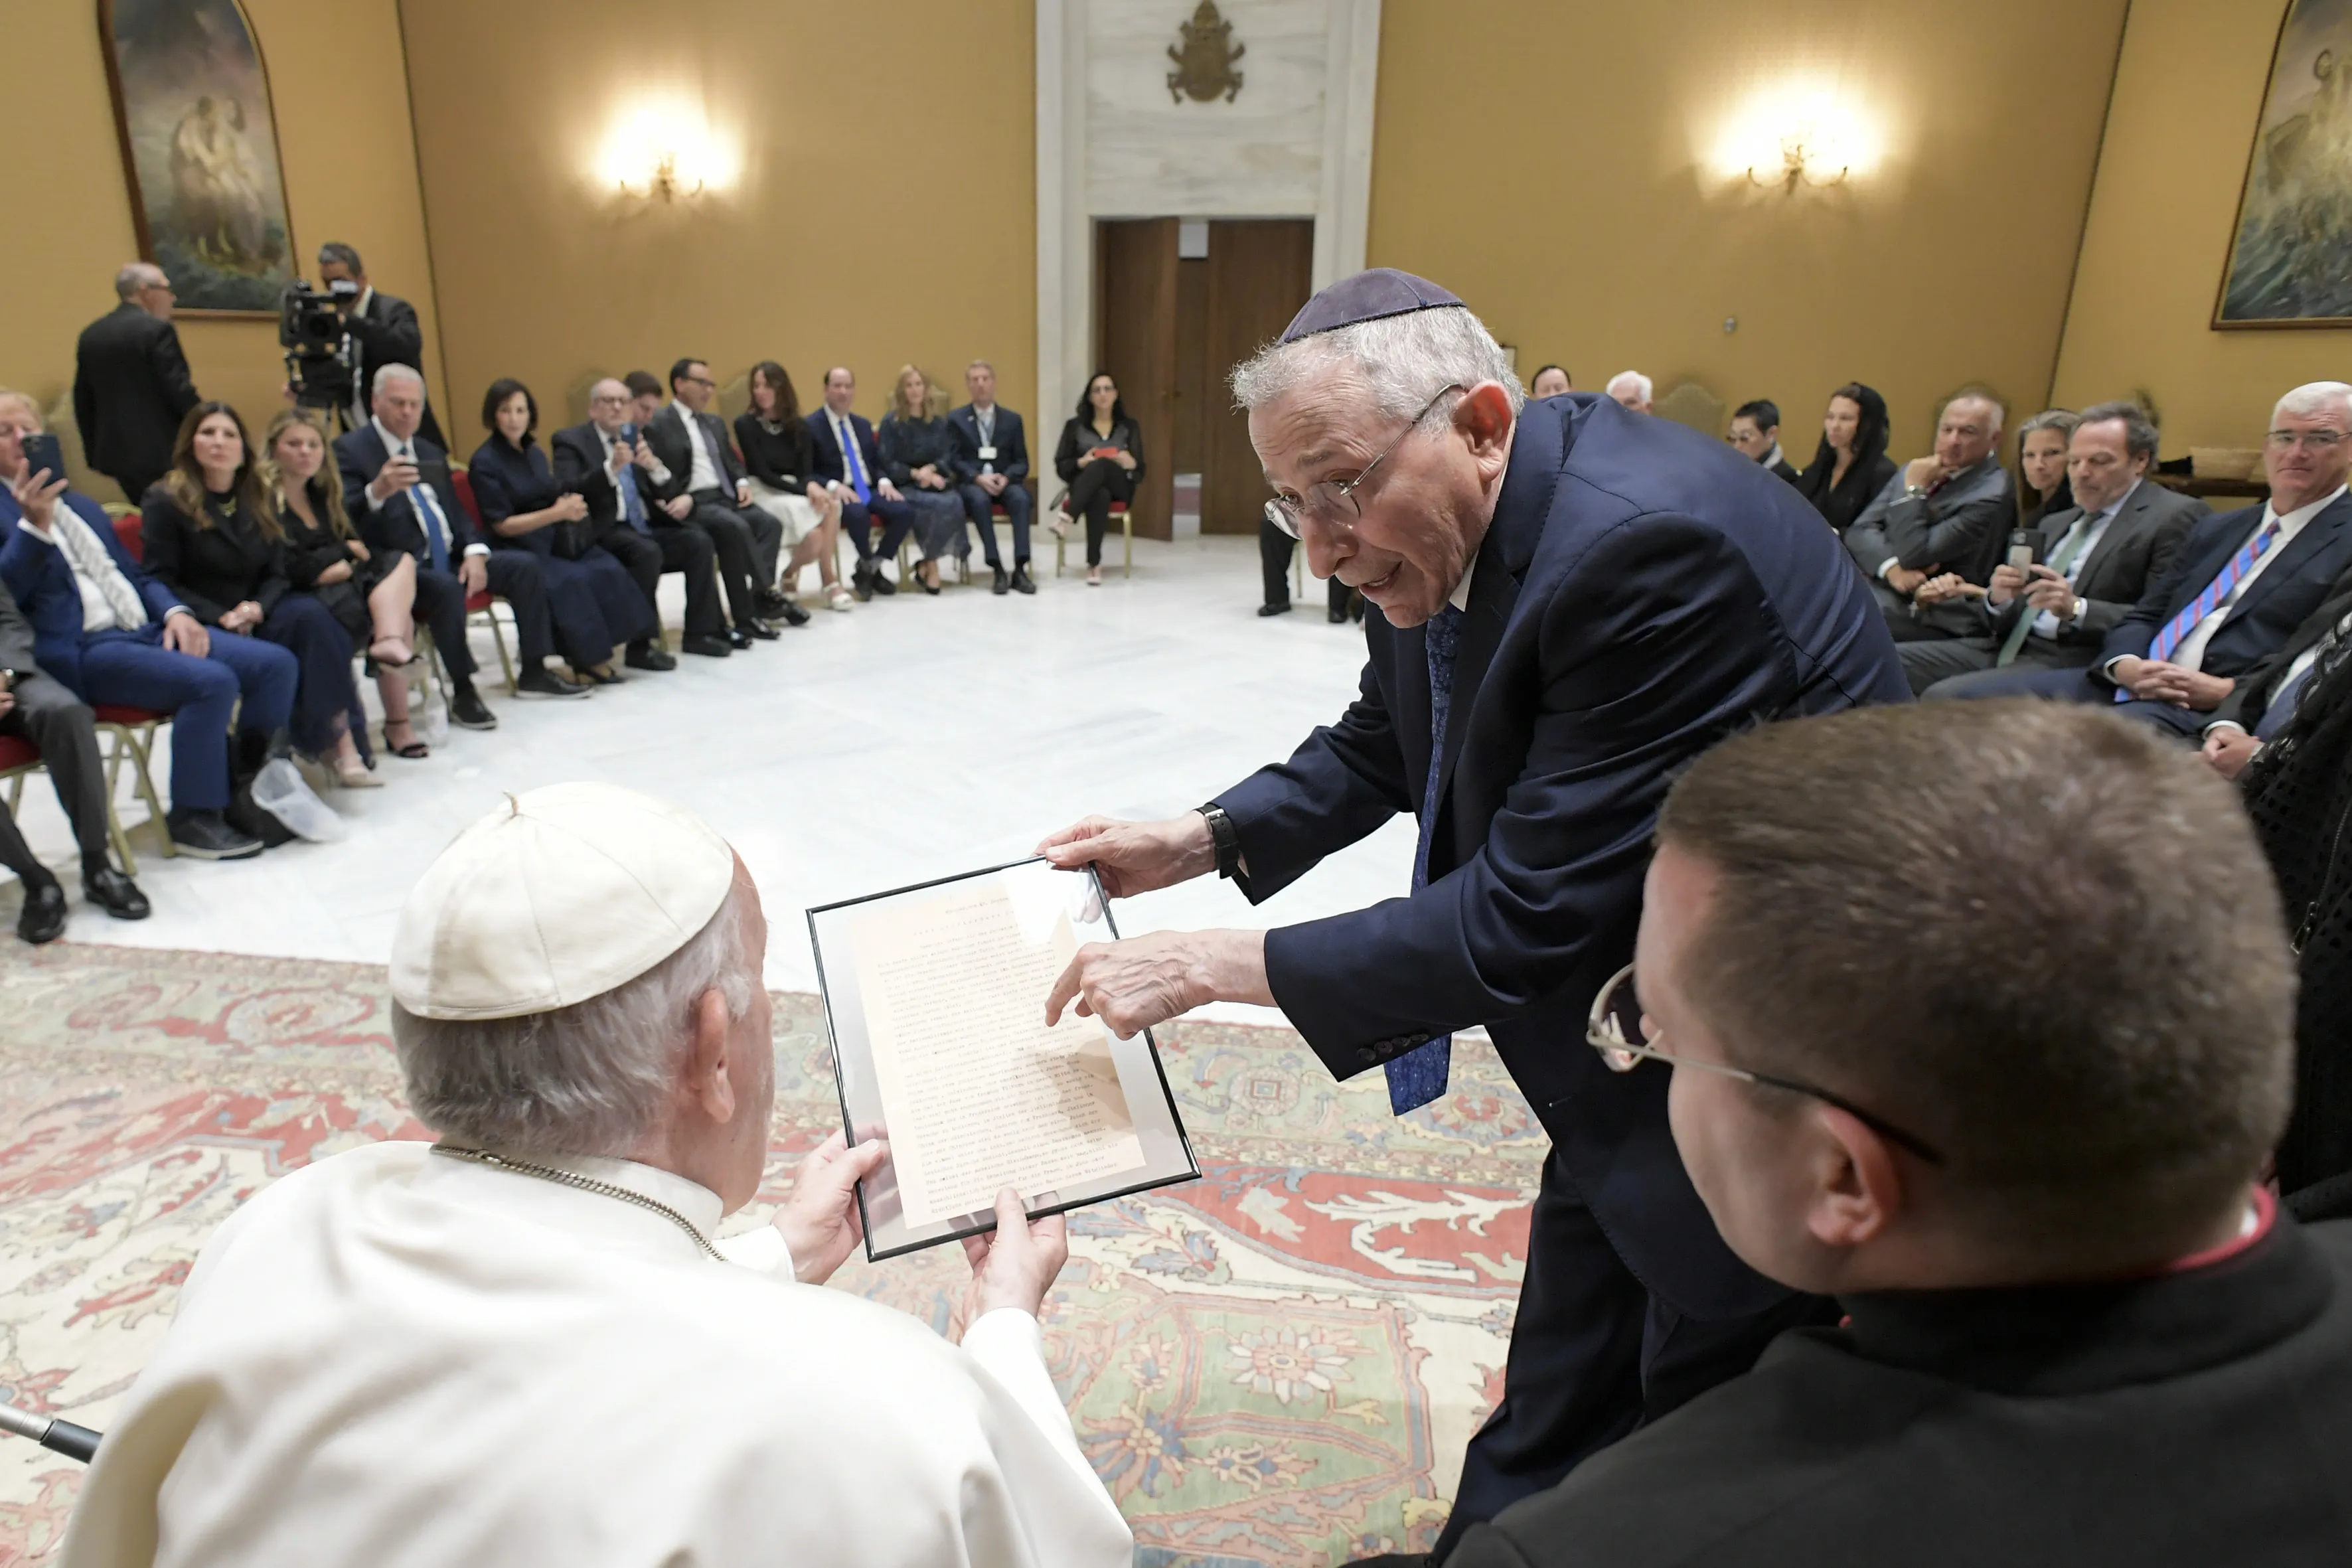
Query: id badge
{"points": [[988, 453]]}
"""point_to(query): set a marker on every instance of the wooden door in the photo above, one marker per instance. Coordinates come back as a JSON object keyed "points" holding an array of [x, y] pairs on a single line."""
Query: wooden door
{"points": [[1136, 337], [1258, 276]]}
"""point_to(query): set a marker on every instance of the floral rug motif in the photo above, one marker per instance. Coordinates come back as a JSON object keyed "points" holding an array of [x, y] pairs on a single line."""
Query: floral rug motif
{"points": [[1277, 1364]]}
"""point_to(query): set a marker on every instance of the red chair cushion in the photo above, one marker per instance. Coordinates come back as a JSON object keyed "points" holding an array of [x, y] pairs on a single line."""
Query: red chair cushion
{"points": [[1118, 509], [474, 602], [126, 534], [463, 483], [17, 752], [114, 713]]}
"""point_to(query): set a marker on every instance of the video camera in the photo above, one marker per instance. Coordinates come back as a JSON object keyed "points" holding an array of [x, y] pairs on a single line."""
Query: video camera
{"points": [[319, 358]]}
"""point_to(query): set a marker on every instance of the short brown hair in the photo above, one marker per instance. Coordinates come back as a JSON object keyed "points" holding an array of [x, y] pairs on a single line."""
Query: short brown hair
{"points": [[2039, 935]]}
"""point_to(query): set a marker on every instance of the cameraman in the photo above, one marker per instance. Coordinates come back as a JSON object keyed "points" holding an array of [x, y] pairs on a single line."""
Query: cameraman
{"points": [[384, 329]]}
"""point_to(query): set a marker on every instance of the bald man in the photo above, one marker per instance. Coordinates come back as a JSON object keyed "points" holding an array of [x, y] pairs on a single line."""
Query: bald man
{"points": [[601, 462]]}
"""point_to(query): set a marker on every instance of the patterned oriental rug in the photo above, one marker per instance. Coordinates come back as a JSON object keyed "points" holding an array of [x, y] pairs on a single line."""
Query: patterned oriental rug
{"points": [[1277, 1364]]}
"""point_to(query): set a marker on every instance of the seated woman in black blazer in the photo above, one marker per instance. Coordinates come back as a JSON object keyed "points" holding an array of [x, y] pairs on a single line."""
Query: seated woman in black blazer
{"points": [[212, 536], [1850, 466], [325, 558], [1101, 459], [918, 448], [595, 603]]}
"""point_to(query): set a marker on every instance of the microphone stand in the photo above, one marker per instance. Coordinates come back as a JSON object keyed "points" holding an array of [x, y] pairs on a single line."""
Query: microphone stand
{"points": [[62, 1437]]}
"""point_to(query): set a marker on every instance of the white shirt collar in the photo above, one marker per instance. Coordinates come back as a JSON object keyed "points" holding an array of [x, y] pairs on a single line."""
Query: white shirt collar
{"points": [[2293, 522], [393, 445], [366, 294], [2114, 507], [1772, 459], [1459, 597]]}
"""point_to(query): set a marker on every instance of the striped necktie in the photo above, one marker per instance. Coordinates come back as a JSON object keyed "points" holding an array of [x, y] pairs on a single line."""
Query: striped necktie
{"points": [[1419, 1076], [2206, 602]]}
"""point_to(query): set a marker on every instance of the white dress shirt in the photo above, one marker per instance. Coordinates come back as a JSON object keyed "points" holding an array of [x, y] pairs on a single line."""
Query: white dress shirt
{"points": [[853, 456], [703, 474], [2190, 654], [406, 447], [984, 421], [97, 612], [402, 1360]]}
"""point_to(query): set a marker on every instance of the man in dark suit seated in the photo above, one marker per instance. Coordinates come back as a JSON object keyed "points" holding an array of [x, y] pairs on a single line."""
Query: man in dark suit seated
{"points": [[612, 474], [700, 483], [1571, 602], [384, 330], [399, 484], [1756, 431], [131, 386], [2262, 701], [2024, 1153], [1948, 512], [2093, 562], [851, 465], [991, 467], [2241, 584], [111, 635]]}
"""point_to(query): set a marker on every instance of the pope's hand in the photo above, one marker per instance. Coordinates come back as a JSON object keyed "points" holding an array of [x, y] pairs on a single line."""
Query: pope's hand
{"points": [[820, 1222], [1016, 1264], [1147, 980], [1133, 857]]}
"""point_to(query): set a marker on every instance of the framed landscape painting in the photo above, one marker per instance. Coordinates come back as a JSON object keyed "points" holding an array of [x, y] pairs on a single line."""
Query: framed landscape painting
{"points": [[200, 150]]}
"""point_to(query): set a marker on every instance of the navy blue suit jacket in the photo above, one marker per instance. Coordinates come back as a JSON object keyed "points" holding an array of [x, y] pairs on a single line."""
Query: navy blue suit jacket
{"points": [[359, 455], [1012, 445], [1642, 593], [2274, 604], [828, 451], [43, 586]]}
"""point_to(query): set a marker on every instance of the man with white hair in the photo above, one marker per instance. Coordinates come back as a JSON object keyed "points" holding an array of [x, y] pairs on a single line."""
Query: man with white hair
{"points": [[2237, 590], [131, 386], [522, 1344], [1572, 604], [1632, 389], [1949, 512]]}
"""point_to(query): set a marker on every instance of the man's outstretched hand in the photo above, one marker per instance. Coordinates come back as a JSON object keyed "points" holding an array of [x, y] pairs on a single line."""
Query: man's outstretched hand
{"points": [[1131, 858], [1147, 980]]}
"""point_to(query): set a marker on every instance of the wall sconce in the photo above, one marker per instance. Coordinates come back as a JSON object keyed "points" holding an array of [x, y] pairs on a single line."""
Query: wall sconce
{"points": [[1802, 164], [664, 151], [664, 181], [1793, 135]]}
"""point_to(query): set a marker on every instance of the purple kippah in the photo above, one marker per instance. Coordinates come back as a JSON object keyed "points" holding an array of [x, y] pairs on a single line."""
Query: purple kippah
{"points": [[1366, 297]]}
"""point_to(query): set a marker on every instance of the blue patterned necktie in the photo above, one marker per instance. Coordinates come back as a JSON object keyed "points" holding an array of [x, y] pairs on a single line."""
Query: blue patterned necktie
{"points": [[853, 462], [1418, 1077], [429, 520], [633, 501]]}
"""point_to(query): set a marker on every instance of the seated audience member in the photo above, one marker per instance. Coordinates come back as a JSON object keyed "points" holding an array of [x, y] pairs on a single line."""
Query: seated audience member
{"points": [[645, 397], [1551, 381], [108, 633], [1947, 511], [1850, 465], [371, 597], [212, 537], [781, 464], [1632, 388], [608, 464], [850, 464], [2096, 561], [991, 469], [2240, 586], [2043, 445], [594, 606], [2263, 700], [918, 447], [1756, 431], [1274, 551], [524, 1340], [701, 483], [400, 483], [2023, 1153], [1100, 457], [34, 708]]}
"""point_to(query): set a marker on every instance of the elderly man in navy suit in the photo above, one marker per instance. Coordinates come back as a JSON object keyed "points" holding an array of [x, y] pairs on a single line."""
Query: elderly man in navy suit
{"points": [[2237, 589], [1572, 602]]}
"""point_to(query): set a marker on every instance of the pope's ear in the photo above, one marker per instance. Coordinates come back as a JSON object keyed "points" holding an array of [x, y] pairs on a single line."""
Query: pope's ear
{"points": [[708, 1079]]}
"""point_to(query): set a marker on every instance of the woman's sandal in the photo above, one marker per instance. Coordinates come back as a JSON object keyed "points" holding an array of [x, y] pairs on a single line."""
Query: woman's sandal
{"points": [[349, 772], [415, 749], [391, 663]]}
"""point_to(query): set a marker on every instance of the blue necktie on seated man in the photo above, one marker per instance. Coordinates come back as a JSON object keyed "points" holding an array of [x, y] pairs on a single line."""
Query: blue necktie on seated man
{"points": [[632, 505], [436, 526], [1419, 1076], [853, 462]]}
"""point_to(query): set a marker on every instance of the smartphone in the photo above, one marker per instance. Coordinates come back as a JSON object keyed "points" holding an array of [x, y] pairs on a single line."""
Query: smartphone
{"points": [[628, 436], [44, 453], [2024, 548]]}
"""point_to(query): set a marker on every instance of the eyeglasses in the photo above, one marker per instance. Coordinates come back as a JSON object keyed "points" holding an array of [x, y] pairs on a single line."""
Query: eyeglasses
{"points": [[2309, 440], [700, 381], [1333, 502], [1616, 1030]]}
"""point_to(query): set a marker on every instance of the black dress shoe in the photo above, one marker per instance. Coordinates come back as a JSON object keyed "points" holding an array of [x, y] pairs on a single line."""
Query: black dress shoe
{"points": [[648, 658], [739, 641], [115, 893], [705, 648], [791, 614], [1004, 583], [769, 603], [861, 582], [1339, 614], [882, 585], [469, 711], [758, 629], [44, 919], [1281, 610], [205, 836], [1021, 582]]}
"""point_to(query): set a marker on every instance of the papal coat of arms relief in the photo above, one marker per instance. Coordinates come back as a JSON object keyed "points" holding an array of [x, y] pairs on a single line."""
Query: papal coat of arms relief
{"points": [[1204, 60]]}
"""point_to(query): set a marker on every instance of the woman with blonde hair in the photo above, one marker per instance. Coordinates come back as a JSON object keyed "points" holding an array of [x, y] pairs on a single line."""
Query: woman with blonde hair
{"points": [[918, 447], [325, 559]]}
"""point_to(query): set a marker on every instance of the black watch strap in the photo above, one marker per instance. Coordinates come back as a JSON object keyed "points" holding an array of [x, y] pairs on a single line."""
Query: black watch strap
{"points": [[1227, 837]]}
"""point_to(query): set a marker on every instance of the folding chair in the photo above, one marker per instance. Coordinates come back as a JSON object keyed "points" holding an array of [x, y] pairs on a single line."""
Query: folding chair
{"points": [[1119, 514], [130, 731], [482, 608]]}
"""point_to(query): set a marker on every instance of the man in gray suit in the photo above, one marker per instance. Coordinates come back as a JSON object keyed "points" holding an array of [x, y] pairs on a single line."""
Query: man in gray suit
{"points": [[1948, 512], [2097, 559]]}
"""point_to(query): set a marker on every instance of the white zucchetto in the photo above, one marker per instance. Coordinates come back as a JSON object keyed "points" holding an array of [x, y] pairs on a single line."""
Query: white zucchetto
{"points": [[558, 895]]}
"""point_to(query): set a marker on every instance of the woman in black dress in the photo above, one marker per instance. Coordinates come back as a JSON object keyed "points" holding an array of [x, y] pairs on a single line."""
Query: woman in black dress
{"points": [[1100, 457], [212, 536], [918, 447], [591, 599], [326, 559], [2042, 488], [1850, 466]]}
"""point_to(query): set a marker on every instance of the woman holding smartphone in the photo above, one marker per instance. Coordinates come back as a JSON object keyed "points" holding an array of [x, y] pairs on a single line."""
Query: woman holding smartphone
{"points": [[1100, 457]]}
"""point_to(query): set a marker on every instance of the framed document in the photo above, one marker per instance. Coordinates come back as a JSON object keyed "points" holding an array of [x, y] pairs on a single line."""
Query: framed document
{"points": [[935, 998]]}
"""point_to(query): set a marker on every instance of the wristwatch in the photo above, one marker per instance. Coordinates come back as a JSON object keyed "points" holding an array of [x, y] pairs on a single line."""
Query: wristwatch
{"points": [[1227, 837], [7, 680]]}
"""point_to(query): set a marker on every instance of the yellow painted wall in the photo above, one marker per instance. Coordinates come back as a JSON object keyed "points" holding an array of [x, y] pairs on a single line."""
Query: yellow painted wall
{"points": [[2187, 98], [338, 84], [884, 209], [1549, 162]]}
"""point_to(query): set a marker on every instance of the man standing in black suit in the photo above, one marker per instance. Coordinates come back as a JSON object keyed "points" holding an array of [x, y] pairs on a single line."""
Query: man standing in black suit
{"points": [[131, 386], [700, 481], [1756, 431], [2096, 561], [399, 483], [384, 329], [611, 474]]}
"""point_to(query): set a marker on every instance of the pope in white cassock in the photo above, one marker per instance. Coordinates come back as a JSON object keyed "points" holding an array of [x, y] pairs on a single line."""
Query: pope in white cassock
{"points": [[519, 1346]]}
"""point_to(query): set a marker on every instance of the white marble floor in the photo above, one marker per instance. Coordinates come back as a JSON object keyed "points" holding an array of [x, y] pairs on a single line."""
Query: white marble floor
{"points": [[911, 738]]}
